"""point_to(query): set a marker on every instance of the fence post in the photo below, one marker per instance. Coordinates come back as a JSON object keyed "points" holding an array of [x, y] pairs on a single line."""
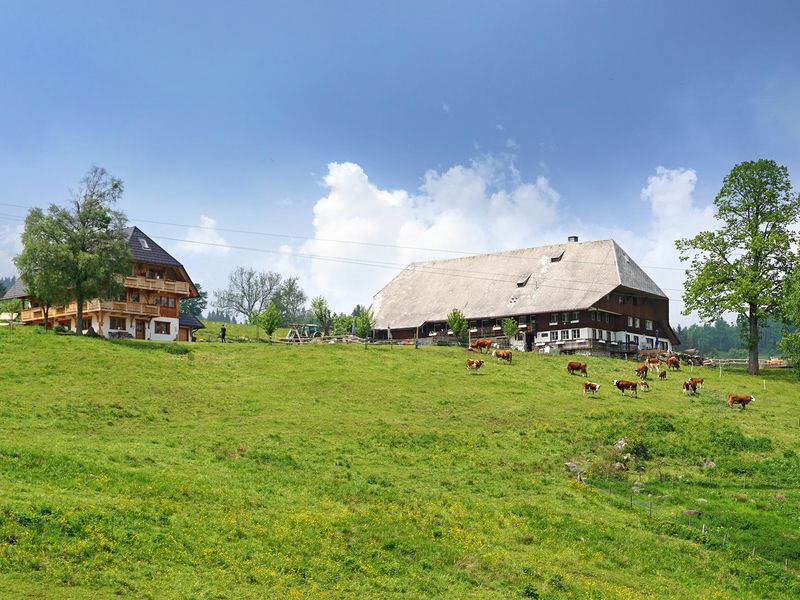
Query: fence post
{"points": [[754, 550], [724, 539]]}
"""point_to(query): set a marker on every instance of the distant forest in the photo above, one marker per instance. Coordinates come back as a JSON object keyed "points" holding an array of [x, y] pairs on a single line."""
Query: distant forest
{"points": [[723, 339], [5, 284]]}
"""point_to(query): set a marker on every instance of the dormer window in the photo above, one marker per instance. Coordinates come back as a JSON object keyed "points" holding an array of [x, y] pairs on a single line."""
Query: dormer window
{"points": [[557, 257], [523, 280], [145, 245]]}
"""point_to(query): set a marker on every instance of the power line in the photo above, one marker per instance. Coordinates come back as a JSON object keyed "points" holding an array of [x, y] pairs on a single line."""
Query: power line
{"points": [[335, 241], [443, 271]]}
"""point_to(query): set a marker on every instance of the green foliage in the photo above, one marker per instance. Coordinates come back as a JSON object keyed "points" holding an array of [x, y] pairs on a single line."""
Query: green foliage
{"points": [[724, 339], [201, 479], [177, 349], [322, 314], [364, 324], [741, 267], [10, 306], [290, 300], [248, 292], [510, 328], [342, 324], [270, 320], [195, 306], [457, 323]]}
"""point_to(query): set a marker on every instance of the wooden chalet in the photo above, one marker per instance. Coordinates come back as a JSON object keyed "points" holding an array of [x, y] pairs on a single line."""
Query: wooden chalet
{"points": [[573, 297], [148, 308]]}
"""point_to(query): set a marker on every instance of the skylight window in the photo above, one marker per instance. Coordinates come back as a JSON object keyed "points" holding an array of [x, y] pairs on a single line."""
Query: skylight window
{"points": [[523, 280], [557, 257], [144, 244]]}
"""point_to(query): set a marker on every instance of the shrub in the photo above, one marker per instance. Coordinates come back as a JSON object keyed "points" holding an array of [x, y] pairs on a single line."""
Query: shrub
{"points": [[177, 349]]}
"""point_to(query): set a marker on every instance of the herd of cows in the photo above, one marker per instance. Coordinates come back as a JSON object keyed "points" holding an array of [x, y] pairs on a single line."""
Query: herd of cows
{"points": [[653, 363]]}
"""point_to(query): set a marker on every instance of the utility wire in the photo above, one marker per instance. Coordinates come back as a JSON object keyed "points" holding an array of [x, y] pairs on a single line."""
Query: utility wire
{"points": [[420, 267]]}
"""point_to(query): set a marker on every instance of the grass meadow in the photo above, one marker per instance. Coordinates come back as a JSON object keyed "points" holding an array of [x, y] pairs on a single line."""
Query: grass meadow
{"points": [[257, 470]]}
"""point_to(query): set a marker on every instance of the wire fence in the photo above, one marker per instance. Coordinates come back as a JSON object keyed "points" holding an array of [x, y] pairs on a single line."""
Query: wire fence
{"points": [[694, 525]]}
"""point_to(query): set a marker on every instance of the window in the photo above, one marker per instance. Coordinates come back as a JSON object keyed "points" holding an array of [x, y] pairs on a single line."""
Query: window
{"points": [[523, 280], [87, 322], [554, 319], [627, 338], [608, 336], [523, 320], [648, 324], [637, 323], [634, 299], [621, 299], [135, 297], [118, 323], [545, 334], [172, 302], [155, 274], [608, 318], [564, 334], [143, 243], [564, 317], [574, 317], [576, 334], [162, 327], [557, 257], [630, 321], [636, 340]]}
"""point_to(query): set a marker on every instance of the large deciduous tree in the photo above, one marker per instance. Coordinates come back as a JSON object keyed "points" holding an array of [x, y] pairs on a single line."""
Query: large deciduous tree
{"points": [[248, 292], [458, 324], [290, 299], [741, 266], [87, 240]]}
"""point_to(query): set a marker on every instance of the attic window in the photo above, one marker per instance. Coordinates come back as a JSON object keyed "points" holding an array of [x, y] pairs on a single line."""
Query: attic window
{"points": [[143, 242], [557, 257], [523, 280]]}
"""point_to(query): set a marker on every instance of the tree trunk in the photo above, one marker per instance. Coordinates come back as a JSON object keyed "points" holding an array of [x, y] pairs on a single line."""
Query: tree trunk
{"points": [[752, 342], [46, 317], [79, 315]]}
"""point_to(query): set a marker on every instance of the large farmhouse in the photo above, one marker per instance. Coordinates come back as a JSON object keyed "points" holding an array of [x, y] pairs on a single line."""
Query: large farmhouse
{"points": [[569, 297], [147, 308]]}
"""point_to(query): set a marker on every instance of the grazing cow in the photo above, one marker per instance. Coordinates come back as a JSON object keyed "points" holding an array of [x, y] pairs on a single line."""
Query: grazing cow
{"points": [[673, 362], [698, 382], [654, 363], [580, 367], [473, 365], [662, 374], [689, 387], [623, 385], [641, 371], [644, 385], [480, 344], [502, 355], [743, 400], [590, 387]]}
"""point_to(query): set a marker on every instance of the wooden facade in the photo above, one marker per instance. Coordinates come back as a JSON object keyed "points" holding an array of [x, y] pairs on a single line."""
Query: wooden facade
{"points": [[147, 308]]}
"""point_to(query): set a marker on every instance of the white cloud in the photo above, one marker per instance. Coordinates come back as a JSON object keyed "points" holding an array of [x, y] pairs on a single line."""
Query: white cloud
{"points": [[512, 144], [10, 246], [204, 239]]}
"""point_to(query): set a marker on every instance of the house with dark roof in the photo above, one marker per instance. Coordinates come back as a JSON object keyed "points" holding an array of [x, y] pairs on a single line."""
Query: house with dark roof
{"points": [[148, 308], [573, 297]]}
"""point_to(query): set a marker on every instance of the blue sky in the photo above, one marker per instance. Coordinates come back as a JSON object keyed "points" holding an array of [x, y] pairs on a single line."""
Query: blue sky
{"points": [[241, 113]]}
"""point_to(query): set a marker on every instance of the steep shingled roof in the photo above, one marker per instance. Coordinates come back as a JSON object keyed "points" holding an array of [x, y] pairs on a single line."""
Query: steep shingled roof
{"points": [[17, 290], [145, 250], [554, 278]]}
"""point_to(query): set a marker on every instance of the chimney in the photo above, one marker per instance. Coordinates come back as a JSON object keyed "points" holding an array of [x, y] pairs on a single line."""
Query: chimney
{"points": [[572, 239]]}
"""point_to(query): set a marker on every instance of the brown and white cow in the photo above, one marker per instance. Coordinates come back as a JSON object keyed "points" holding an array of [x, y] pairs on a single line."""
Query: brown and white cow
{"points": [[662, 374], [689, 387], [473, 365], [641, 371], [645, 387], [698, 382], [623, 385], [674, 363], [503, 355], [654, 364], [480, 344], [580, 367], [743, 400], [590, 387]]}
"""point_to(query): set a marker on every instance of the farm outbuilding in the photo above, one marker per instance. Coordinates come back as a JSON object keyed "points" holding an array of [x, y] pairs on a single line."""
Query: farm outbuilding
{"points": [[573, 297]]}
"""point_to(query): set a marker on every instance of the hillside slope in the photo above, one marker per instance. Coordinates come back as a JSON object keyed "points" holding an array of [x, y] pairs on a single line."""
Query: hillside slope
{"points": [[253, 470]]}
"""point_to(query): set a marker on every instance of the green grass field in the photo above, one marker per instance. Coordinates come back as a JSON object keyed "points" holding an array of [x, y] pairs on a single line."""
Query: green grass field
{"points": [[236, 332], [256, 470]]}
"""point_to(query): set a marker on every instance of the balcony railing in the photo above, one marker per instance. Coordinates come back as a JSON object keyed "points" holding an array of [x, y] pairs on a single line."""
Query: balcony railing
{"points": [[134, 308], [159, 285]]}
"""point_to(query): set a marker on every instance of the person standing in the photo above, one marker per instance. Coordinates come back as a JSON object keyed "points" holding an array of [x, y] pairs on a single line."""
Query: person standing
{"points": [[222, 332]]}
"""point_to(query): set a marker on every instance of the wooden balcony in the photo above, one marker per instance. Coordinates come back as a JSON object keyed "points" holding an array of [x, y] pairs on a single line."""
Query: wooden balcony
{"points": [[158, 285], [70, 310]]}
